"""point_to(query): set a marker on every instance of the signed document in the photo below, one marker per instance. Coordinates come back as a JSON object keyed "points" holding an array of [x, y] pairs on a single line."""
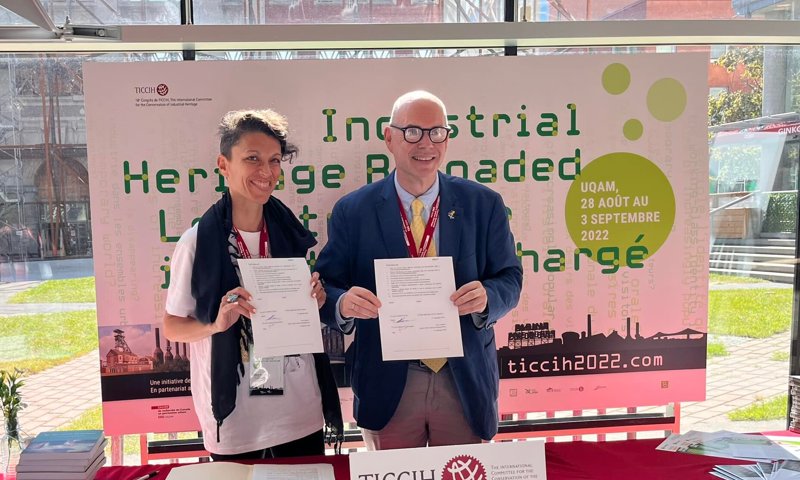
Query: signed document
{"points": [[286, 321], [417, 318]]}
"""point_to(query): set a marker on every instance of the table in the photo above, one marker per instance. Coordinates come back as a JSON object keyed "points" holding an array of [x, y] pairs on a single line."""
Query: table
{"points": [[341, 467], [612, 460]]}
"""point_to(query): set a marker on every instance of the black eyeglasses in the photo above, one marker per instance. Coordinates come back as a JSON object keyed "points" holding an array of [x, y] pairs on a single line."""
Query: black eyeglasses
{"points": [[414, 134]]}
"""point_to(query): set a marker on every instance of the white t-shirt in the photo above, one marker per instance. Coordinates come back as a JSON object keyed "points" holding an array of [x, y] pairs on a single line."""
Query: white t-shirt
{"points": [[259, 421]]}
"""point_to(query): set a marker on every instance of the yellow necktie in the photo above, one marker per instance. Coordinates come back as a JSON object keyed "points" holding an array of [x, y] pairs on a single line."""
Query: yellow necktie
{"points": [[418, 230]]}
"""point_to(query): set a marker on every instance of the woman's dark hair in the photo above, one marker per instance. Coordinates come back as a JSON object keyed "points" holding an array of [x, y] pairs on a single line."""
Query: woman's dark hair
{"points": [[269, 122]]}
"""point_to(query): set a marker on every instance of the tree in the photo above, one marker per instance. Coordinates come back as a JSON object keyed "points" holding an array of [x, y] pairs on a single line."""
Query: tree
{"points": [[746, 64]]}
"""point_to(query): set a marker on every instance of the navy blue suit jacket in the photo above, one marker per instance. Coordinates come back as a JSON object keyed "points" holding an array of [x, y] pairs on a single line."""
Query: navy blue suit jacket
{"points": [[473, 229]]}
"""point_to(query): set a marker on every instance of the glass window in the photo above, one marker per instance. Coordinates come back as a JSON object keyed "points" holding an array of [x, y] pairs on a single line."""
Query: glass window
{"points": [[7, 17], [754, 153], [116, 12], [246, 12]]}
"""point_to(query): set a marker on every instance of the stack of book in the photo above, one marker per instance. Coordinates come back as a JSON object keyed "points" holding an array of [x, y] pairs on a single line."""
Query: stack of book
{"points": [[70, 455], [794, 414]]}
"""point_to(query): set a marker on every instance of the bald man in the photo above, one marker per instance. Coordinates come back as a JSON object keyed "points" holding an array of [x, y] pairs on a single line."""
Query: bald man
{"points": [[402, 404]]}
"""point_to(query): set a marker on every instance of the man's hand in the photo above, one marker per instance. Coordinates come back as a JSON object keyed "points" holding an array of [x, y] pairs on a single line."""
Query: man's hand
{"points": [[359, 303], [470, 298]]}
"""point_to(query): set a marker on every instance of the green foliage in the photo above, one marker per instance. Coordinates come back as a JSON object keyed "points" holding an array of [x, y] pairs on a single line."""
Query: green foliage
{"points": [[11, 401], [781, 213], [735, 106], [716, 349], [73, 290], [739, 105], [772, 409], [779, 356], [756, 313], [752, 58], [733, 166], [722, 279]]}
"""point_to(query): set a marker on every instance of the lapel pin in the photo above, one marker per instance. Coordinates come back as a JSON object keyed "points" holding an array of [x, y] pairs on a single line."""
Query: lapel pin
{"points": [[451, 214]]}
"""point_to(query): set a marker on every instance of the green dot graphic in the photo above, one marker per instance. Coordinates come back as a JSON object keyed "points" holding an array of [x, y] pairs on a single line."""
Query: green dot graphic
{"points": [[666, 99], [620, 200], [616, 78], [633, 129]]}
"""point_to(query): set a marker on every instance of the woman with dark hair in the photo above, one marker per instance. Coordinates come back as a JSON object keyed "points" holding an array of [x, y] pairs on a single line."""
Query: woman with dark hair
{"points": [[248, 407]]}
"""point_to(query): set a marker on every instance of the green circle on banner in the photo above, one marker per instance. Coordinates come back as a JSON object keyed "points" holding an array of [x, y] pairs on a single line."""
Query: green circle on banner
{"points": [[633, 129], [620, 200], [616, 78], [666, 99]]}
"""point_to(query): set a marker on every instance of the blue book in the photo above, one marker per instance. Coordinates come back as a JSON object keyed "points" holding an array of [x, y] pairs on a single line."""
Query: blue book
{"points": [[67, 445]]}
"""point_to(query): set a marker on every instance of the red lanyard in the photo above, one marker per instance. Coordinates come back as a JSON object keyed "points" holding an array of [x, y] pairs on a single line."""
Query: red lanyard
{"points": [[427, 237], [262, 243]]}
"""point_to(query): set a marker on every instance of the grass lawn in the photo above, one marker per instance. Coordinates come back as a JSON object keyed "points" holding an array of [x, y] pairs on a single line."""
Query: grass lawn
{"points": [[758, 313], [779, 356], [37, 342], [770, 409], [92, 419], [73, 290], [718, 279], [716, 349]]}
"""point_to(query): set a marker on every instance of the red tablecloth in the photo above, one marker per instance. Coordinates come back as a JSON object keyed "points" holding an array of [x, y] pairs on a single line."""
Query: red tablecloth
{"points": [[626, 460], [622, 460], [341, 468]]}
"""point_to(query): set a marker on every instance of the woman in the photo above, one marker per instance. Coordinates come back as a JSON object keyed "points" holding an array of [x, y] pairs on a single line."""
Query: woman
{"points": [[241, 417]]}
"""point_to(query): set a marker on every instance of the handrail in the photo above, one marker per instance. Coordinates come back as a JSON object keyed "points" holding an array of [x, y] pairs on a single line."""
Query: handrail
{"points": [[738, 200], [741, 199]]}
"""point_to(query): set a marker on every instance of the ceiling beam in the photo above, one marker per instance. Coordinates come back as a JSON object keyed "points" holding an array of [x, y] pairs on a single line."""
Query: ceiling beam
{"points": [[141, 38]]}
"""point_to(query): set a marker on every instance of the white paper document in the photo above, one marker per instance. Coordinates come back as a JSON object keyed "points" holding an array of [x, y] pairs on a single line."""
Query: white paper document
{"points": [[238, 471], [417, 318], [286, 321]]}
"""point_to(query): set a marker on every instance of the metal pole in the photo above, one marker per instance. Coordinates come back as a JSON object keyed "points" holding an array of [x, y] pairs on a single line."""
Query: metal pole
{"points": [[509, 15], [187, 18]]}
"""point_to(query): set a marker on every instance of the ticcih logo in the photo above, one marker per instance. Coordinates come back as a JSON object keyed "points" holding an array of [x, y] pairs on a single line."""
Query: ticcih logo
{"points": [[161, 89], [464, 467]]}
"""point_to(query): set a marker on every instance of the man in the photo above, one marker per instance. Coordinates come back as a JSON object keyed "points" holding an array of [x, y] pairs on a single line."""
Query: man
{"points": [[401, 404]]}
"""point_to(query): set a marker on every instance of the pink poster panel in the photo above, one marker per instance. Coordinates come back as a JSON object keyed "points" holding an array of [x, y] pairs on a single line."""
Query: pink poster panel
{"points": [[601, 161]]}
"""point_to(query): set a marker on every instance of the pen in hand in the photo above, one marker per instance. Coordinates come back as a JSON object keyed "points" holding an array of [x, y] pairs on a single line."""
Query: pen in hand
{"points": [[148, 476]]}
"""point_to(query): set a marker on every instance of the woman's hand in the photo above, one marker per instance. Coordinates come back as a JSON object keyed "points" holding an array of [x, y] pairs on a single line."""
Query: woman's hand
{"points": [[234, 303], [318, 290]]}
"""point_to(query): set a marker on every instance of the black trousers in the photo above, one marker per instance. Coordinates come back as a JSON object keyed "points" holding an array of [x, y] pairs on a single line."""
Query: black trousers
{"points": [[313, 444]]}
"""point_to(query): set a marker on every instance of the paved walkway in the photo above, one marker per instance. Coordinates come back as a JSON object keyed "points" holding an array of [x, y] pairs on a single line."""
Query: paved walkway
{"points": [[748, 374], [61, 394]]}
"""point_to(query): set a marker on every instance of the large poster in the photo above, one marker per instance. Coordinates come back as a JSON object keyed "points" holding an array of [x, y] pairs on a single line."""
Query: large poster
{"points": [[601, 160]]}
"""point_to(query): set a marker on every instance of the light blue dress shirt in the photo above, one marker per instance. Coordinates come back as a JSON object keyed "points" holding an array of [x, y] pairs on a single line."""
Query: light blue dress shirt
{"points": [[346, 324]]}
